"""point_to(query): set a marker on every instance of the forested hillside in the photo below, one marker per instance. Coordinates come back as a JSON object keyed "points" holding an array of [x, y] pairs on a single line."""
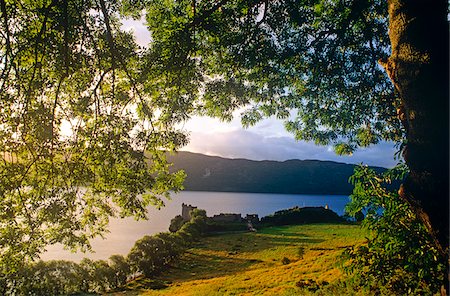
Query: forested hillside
{"points": [[212, 173]]}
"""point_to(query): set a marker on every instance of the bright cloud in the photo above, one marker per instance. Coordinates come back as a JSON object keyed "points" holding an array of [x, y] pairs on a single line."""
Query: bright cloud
{"points": [[269, 141]]}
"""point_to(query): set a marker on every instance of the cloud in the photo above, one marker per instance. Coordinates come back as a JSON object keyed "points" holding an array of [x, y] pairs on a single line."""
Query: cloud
{"points": [[247, 144], [142, 35]]}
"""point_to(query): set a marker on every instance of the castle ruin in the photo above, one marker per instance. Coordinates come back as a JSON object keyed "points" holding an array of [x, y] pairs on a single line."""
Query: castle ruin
{"points": [[252, 218], [186, 211], [227, 218]]}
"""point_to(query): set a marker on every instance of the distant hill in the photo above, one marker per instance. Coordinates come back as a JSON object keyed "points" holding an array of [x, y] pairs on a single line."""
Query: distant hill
{"points": [[212, 173]]}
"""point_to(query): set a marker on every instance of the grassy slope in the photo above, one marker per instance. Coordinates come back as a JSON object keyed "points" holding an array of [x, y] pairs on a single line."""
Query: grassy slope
{"points": [[251, 263]]}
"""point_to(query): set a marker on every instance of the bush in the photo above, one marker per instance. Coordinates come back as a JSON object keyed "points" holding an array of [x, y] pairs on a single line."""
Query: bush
{"points": [[173, 245], [151, 253], [100, 276], [400, 256], [195, 228], [148, 256], [176, 223], [121, 270], [285, 261], [299, 215], [56, 277]]}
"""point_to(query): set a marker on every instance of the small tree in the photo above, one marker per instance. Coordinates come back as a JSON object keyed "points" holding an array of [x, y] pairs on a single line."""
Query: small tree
{"points": [[121, 269], [176, 223], [400, 254], [147, 255], [173, 245]]}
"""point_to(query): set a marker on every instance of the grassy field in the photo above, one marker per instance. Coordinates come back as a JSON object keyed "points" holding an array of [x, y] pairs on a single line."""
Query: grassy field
{"points": [[273, 261]]}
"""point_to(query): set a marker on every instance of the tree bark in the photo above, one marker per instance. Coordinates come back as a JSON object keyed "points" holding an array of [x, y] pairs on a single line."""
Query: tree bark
{"points": [[418, 67]]}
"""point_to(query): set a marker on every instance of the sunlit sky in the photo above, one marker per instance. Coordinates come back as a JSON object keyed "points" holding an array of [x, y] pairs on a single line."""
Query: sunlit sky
{"points": [[267, 140]]}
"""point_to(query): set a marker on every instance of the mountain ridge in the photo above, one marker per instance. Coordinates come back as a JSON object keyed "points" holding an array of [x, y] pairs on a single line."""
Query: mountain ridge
{"points": [[293, 176]]}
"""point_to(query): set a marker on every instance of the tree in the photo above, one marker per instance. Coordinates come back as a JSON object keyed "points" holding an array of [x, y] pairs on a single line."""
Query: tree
{"points": [[98, 276], [400, 255], [314, 64], [121, 270], [174, 248], [418, 68], [74, 127], [148, 255], [176, 223]]}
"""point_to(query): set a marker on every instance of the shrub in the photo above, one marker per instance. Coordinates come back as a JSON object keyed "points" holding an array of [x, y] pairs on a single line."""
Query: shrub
{"points": [[400, 256], [100, 276], [173, 245], [146, 255], [56, 277], [121, 270], [285, 261], [176, 223], [304, 215]]}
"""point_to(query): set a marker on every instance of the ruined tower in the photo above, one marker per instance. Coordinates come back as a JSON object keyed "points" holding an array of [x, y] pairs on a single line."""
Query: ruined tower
{"points": [[186, 211]]}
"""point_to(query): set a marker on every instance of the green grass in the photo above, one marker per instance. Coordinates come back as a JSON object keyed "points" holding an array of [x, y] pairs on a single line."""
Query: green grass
{"points": [[269, 262]]}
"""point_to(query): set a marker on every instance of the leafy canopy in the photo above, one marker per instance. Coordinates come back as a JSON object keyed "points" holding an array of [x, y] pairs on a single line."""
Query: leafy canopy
{"points": [[311, 63], [81, 102], [76, 120]]}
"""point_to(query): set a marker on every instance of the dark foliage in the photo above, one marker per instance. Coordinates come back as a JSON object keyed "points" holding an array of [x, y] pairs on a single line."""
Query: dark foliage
{"points": [[359, 216], [176, 223], [304, 215], [213, 226], [210, 173]]}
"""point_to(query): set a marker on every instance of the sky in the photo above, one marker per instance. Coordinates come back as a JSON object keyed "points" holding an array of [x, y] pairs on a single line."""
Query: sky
{"points": [[267, 140]]}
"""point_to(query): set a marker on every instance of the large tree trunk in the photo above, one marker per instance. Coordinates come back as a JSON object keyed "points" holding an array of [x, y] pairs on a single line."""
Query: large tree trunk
{"points": [[418, 67]]}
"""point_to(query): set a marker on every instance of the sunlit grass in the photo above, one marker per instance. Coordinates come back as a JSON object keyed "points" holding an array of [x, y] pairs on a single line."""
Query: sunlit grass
{"points": [[253, 264]]}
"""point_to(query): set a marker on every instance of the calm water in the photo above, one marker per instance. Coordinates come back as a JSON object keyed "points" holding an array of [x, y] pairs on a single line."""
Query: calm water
{"points": [[124, 232]]}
